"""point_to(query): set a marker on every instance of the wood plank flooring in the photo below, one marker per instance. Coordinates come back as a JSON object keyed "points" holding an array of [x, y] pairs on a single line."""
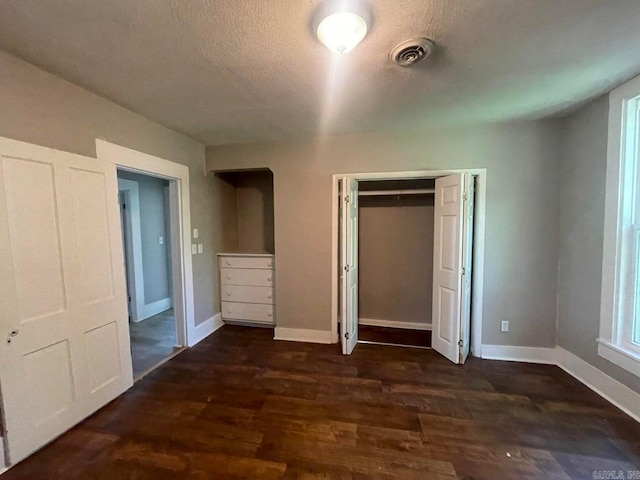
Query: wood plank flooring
{"points": [[397, 336], [241, 405]]}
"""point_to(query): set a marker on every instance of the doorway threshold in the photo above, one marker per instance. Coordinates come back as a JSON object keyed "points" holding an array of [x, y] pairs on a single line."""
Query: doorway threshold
{"points": [[176, 351], [370, 342]]}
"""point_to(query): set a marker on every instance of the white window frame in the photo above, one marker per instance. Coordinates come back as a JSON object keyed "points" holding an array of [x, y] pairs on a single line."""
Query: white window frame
{"points": [[621, 230]]}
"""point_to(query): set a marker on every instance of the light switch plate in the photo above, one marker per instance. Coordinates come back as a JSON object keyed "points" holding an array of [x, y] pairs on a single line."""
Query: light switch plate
{"points": [[195, 233], [194, 249], [504, 326], [199, 248], [161, 240]]}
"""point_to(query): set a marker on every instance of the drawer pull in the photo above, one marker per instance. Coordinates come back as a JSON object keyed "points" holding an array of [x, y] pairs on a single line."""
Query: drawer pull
{"points": [[228, 262], [269, 278], [228, 294], [269, 314], [269, 295], [228, 277], [269, 264]]}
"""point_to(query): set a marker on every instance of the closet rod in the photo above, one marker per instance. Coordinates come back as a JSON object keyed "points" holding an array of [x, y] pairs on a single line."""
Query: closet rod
{"points": [[417, 191]]}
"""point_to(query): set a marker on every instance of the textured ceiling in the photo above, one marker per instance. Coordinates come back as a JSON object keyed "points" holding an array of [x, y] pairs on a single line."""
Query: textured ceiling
{"points": [[226, 71]]}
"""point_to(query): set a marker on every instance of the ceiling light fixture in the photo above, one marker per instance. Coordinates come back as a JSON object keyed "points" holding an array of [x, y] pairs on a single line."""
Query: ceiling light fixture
{"points": [[341, 25]]}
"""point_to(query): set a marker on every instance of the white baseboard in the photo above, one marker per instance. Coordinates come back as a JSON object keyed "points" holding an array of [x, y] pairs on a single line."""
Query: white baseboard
{"points": [[376, 322], [154, 308], [302, 335], [610, 389], [519, 354], [206, 328]]}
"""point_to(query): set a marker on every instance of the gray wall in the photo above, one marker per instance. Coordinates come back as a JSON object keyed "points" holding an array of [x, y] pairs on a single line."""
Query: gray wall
{"points": [[249, 211], [396, 258], [581, 231], [255, 212], [155, 257], [40, 108], [521, 221]]}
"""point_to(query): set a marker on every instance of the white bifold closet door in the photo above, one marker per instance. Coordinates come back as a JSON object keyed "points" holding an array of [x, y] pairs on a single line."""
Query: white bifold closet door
{"points": [[349, 265], [63, 310], [453, 221]]}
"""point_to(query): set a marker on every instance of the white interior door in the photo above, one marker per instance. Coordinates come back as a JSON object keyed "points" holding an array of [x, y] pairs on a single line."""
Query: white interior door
{"points": [[447, 266], [467, 266], [63, 310], [349, 266]]}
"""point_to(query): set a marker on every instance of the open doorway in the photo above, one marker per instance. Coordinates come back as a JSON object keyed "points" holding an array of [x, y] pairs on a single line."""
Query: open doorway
{"points": [[146, 234], [408, 260]]}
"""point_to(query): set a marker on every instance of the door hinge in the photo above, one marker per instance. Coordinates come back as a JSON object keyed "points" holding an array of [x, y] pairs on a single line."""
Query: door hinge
{"points": [[124, 206], [347, 198], [346, 335], [346, 268], [459, 343], [464, 270], [129, 298]]}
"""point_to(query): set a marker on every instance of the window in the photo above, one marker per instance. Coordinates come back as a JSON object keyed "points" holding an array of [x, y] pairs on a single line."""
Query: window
{"points": [[619, 340]]}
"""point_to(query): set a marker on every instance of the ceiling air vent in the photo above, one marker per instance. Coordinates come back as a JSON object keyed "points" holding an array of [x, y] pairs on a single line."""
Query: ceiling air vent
{"points": [[411, 52]]}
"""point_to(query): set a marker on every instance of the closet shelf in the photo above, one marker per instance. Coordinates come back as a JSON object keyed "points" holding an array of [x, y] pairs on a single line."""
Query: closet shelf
{"points": [[415, 191]]}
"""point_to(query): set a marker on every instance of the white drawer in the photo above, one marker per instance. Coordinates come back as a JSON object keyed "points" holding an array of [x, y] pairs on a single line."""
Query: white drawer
{"points": [[246, 262], [255, 312], [239, 293], [246, 276]]}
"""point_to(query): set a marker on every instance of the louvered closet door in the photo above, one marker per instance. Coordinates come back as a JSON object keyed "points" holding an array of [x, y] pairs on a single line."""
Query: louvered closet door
{"points": [[63, 311]]}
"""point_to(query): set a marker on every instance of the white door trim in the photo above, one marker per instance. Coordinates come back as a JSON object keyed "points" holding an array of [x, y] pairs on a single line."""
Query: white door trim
{"points": [[138, 162], [480, 175]]}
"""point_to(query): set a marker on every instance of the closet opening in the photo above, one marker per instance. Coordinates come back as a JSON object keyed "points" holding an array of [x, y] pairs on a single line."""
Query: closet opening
{"points": [[408, 260], [396, 261]]}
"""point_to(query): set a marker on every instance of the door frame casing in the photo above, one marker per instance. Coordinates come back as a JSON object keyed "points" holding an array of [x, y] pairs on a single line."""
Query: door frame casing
{"points": [[477, 280], [180, 237]]}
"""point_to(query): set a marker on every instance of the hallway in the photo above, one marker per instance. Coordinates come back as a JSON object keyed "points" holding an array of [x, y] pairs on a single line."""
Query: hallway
{"points": [[152, 341]]}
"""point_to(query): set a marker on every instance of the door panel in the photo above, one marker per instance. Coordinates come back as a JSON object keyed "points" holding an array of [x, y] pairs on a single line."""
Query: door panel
{"points": [[349, 267], [49, 369], [447, 266], [63, 312], [104, 363], [92, 234], [37, 262]]}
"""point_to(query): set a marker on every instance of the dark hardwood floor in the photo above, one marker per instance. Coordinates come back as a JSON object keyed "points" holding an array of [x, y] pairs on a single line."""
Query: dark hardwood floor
{"points": [[397, 336], [241, 405]]}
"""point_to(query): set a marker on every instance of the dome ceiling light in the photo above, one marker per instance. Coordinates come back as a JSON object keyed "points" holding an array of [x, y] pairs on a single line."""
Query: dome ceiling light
{"points": [[341, 25]]}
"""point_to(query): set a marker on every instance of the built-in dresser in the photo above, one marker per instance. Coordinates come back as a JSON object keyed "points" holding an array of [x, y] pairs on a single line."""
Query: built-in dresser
{"points": [[247, 291]]}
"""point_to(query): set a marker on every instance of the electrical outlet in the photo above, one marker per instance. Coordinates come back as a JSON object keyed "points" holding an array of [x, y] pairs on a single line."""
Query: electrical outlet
{"points": [[195, 233], [194, 249], [200, 248], [504, 326]]}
